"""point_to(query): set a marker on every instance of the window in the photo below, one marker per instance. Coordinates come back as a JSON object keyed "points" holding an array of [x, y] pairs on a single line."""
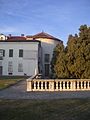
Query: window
{"points": [[47, 58], [20, 67], [47, 69], [20, 53], [1, 38], [11, 53], [2, 54], [10, 67]]}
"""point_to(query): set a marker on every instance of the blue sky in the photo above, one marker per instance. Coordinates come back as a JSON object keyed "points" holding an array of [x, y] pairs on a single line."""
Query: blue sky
{"points": [[56, 17]]}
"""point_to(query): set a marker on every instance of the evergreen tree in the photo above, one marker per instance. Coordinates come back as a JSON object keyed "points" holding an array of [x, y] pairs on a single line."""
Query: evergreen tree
{"points": [[74, 60], [58, 64], [78, 53]]}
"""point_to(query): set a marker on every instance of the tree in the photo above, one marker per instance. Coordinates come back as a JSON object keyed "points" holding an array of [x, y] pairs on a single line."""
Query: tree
{"points": [[78, 53], [58, 64], [73, 61]]}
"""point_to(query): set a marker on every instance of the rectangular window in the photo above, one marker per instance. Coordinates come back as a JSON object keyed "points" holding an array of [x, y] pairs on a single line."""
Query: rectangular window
{"points": [[11, 53], [10, 67], [20, 67], [2, 54], [47, 69], [20, 53], [47, 58]]}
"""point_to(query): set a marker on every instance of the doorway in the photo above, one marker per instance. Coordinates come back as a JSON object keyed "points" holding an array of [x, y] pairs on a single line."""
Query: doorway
{"points": [[47, 70]]}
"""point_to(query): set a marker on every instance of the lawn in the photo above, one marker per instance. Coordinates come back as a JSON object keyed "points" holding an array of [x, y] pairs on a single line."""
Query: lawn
{"points": [[63, 109], [7, 81]]}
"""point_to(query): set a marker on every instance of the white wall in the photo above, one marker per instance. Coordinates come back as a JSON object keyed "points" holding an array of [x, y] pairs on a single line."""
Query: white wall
{"points": [[48, 46], [29, 64]]}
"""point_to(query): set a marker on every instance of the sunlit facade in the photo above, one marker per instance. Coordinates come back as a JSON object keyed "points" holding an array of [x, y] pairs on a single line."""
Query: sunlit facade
{"points": [[27, 55]]}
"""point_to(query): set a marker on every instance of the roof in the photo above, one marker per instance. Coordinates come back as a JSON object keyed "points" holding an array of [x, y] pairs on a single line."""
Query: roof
{"points": [[43, 35], [20, 41], [13, 38]]}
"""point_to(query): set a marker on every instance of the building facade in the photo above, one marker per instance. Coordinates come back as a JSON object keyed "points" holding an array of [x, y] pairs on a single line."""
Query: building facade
{"points": [[27, 55], [19, 57], [48, 44]]}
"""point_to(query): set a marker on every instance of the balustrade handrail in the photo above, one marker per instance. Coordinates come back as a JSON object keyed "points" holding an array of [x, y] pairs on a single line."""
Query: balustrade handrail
{"points": [[57, 84]]}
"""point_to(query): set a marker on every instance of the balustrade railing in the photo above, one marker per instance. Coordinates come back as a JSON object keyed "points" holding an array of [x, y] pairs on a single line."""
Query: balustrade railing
{"points": [[58, 84]]}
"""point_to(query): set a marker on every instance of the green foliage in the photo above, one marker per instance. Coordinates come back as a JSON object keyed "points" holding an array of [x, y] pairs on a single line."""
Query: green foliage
{"points": [[74, 60], [58, 64]]}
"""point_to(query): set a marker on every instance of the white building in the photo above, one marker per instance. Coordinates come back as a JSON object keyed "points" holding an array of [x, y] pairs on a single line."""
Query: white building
{"points": [[27, 55], [48, 44]]}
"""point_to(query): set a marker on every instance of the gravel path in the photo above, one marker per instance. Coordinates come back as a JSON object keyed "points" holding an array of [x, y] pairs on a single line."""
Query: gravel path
{"points": [[18, 91]]}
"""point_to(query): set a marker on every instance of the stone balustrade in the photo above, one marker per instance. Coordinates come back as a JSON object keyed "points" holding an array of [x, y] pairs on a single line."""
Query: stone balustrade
{"points": [[58, 84]]}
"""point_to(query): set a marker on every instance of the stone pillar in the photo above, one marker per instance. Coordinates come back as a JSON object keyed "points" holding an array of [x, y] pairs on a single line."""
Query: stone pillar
{"points": [[29, 86], [81, 85], [56, 85], [37, 85], [67, 85], [41, 85], [74, 85], [84, 84], [71, 87], [51, 86], [60, 86], [78, 85], [45, 85], [63, 85], [88, 85], [34, 85]]}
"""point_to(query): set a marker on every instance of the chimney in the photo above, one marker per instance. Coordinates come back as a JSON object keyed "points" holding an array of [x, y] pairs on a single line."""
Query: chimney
{"points": [[10, 35], [22, 35]]}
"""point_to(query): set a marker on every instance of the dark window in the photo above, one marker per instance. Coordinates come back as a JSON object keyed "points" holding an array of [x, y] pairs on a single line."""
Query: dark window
{"points": [[11, 53], [1, 38], [3, 53], [20, 53], [47, 66], [20, 67], [1, 69], [47, 58]]}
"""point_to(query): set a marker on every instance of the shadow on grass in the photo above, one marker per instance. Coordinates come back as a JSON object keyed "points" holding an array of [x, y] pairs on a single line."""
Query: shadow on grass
{"points": [[63, 109]]}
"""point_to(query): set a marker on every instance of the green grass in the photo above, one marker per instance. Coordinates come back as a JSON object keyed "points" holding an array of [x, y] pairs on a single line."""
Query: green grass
{"points": [[65, 109], [9, 80]]}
